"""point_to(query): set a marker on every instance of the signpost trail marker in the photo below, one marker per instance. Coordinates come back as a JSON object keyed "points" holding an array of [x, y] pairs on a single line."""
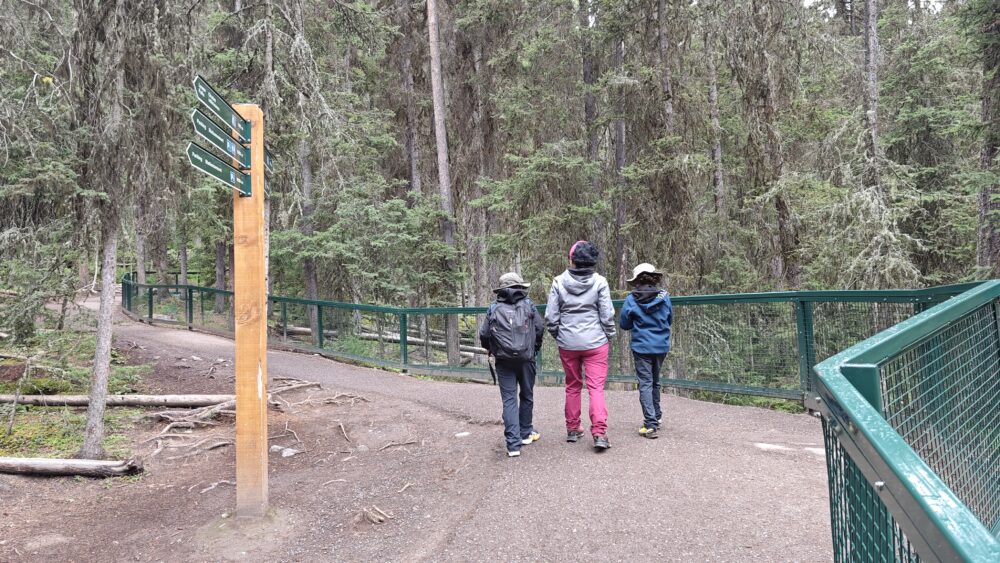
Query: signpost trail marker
{"points": [[246, 176], [217, 136], [221, 108], [210, 164], [250, 302]]}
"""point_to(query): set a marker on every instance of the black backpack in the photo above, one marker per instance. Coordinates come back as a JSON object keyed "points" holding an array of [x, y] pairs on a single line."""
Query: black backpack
{"points": [[512, 330]]}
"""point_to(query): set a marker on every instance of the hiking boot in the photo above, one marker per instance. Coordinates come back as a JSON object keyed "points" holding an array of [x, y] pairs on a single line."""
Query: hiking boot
{"points": [[513, 453], [601, 442], [533, 437], [574, 435], [648, 433]]}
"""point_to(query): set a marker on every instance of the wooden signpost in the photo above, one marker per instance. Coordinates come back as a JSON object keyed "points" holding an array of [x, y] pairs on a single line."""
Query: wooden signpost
{"points": [[246, 147]]}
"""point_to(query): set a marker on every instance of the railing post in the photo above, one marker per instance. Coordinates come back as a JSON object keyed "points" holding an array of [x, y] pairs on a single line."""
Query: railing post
{"points": [[319, 326], [806, 344], [190, 307], [149, 302], [284, 320], [403, 334]]}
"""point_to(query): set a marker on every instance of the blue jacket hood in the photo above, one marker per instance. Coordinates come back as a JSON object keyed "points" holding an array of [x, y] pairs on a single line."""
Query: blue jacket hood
{"points": [[648, 316]]}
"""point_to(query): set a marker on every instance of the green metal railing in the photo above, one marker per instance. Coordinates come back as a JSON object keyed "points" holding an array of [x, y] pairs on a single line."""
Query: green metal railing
{"points": [[754, 344], [911, 419]]}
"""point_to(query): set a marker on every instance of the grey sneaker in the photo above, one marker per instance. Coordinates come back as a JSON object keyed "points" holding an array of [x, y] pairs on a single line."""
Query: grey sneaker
{"points": [[574, 435], [513, 453], [601, 442]]}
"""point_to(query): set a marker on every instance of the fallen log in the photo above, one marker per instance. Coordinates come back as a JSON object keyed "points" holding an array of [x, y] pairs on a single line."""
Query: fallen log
{"points": [[85, 467], [173, 401]]}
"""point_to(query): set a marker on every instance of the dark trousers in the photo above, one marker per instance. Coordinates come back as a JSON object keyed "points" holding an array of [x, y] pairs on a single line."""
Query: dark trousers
{"points": [[647, 370], [517, 406]]}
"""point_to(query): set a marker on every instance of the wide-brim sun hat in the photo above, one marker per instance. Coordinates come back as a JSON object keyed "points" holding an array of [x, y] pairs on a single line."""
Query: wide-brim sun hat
{"points": [[511, 279], [644, 268]]}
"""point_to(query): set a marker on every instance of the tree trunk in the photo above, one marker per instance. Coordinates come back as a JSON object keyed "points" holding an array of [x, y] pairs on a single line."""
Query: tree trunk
{"points": [[220, 276], [871, 176], [718, 182], [83, 273], [620, 211], [664, 54], [93, 436], [988, 240], [182, 251], [308, 262], [484, 270], [585, 18], [140, 257], [163, 271], [444, 174], [410, 141]]}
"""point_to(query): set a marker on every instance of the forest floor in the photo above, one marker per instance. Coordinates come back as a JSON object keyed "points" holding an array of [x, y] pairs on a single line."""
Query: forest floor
{"points": [[722, 483]]}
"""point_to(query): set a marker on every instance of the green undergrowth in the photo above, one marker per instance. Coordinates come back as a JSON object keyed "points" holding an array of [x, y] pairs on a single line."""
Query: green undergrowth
{"points": [[62, 365], [781, 405], [58, 431]]}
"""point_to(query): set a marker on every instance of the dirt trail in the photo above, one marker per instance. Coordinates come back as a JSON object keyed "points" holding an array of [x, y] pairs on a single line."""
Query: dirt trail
{"points": [[722, 483]]}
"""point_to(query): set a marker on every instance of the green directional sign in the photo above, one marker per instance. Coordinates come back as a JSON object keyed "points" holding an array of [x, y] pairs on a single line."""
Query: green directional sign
{"points": [[214, 167], [268, 165], [221, 108], [219, 138]]}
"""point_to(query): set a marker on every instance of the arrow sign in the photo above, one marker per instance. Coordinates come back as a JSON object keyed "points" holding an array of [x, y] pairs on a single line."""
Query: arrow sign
{"points": [[221, 108], [214, 167], [219, 139]]}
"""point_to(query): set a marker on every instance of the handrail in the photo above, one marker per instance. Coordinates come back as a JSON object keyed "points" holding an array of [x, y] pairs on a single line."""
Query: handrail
{"points": [[801, 317], [925, 295], [933, 518]]}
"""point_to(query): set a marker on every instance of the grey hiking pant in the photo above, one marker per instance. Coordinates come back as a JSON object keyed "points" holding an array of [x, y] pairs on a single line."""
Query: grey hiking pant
{"points": [[647, 370], [517, 406]]}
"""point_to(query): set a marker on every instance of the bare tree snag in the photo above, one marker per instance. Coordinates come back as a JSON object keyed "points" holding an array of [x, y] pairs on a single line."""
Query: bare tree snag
{"points": [[444, 173], [93, 435]]}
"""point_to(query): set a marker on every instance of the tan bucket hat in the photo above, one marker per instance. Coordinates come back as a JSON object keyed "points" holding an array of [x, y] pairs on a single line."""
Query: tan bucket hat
{"points": [[511, 279], [644, 268]]}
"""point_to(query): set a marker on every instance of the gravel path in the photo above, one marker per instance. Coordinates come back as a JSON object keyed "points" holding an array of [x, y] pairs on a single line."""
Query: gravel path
{"points": [[722, 483]]}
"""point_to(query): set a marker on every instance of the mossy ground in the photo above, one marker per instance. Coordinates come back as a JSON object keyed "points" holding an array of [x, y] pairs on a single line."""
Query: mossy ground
{"points": [[61, 364]]}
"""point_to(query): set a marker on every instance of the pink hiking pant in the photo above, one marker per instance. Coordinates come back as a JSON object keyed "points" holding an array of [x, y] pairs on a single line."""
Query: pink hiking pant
{"points": [[595, 362]]}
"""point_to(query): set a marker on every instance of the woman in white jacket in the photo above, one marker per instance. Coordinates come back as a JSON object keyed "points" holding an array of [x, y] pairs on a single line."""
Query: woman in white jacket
{"points": [[581, 318]]}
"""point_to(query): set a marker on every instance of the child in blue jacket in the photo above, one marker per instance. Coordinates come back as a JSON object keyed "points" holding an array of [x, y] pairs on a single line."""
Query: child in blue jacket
{"points": [[647, 312]]}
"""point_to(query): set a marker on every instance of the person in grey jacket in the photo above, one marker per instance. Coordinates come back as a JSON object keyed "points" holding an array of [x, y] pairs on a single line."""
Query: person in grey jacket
{"points": [[581, 318]]}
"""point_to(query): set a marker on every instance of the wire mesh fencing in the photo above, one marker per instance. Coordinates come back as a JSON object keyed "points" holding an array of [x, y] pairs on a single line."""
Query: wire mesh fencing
{"points": [[911, 420]]}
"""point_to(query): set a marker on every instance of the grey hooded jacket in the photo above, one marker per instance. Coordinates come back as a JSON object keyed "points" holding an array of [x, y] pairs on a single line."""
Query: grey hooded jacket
{"points": [[579, 314]]}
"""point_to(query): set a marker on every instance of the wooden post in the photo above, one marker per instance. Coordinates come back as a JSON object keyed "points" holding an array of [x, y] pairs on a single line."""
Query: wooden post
{"points": [[250, 306]]}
